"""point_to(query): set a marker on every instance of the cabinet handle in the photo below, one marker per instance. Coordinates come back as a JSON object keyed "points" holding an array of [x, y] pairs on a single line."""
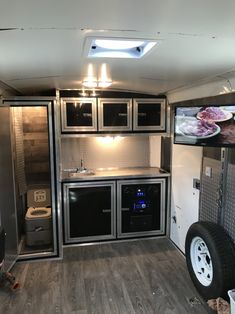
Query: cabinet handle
{"points": [[125, 209], [106, 211], [122, 114], [89, 115], [142, 114]]}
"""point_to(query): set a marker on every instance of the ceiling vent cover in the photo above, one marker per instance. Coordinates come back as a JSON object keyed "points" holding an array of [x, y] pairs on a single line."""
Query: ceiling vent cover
{"points": [[101, 47]]}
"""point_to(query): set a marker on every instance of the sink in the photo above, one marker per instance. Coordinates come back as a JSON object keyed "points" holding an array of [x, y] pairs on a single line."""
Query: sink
{"points": [[81, 173]]}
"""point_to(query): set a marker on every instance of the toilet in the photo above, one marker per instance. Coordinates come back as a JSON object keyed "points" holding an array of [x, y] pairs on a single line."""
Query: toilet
{"points": [[38, 216]]}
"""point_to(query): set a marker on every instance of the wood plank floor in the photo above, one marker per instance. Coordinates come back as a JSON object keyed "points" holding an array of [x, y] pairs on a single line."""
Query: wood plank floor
{"points": [[144, 276]]}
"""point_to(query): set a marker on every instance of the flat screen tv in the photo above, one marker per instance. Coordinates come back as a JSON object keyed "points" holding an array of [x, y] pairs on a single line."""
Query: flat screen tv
{"points": [[205, 125]]}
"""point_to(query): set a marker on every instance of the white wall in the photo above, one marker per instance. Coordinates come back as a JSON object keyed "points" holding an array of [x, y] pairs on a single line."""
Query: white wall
{"points": [[219, 85], [186, 165]]}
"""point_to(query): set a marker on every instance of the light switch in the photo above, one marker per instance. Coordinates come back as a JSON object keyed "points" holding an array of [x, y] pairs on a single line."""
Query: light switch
{"points": [[208, 171]]}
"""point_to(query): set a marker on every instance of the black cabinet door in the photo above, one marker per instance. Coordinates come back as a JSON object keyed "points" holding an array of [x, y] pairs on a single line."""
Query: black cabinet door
{"points": [[141, 207], [149, 114], [79, 115], [89, 212], [114, 114]]}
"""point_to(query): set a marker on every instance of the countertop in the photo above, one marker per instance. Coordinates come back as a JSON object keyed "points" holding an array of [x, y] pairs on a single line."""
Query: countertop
{"points": [[114, 174]]}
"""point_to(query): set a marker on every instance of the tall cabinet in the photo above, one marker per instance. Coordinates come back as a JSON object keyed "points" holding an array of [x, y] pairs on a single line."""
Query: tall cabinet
{"points": [[33, 164]]}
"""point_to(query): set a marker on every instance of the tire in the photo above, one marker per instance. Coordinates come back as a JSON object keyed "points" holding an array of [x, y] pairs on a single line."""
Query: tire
{"points": [[210, 257]]}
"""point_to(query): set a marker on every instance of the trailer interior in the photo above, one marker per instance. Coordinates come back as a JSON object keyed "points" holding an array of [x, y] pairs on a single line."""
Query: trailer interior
{"points": [[117, 163]]}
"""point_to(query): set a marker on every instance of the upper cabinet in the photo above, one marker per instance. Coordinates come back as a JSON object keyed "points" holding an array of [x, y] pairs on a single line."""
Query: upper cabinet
{"points": [[78, 115], [115, 114], [149, 114]]}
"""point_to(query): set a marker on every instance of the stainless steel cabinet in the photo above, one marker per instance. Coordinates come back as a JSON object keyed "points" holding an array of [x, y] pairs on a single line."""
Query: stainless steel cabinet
{"points": [[89, 211], [92, 211], [78, 115], [141, 207], [115, 114], [149, 114]]}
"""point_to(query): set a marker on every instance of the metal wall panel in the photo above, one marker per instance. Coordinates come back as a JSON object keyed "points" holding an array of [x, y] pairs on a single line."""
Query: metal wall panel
{"points": [[19, 149], [209, 209], [229, 203], [97, 153]]}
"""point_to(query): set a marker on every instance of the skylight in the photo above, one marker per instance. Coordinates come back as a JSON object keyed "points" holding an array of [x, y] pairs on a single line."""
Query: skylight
{"points": [[119, 48], [117, 44]]}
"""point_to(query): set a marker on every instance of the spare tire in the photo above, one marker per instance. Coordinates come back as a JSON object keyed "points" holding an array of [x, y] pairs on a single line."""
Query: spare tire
{"points": [[210, 257]]}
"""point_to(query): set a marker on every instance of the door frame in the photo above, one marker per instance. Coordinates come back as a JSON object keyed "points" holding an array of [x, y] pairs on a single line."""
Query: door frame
{"points": [[47, 102], [8, 216]]}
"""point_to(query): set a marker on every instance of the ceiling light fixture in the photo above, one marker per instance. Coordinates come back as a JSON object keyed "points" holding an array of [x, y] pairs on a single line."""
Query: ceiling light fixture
{"points": [[104, 79], [90, 79]]}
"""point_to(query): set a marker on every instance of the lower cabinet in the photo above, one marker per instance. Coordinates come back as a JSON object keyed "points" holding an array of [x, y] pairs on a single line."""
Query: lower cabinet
{"points": [[89, 211], [114, 209]]}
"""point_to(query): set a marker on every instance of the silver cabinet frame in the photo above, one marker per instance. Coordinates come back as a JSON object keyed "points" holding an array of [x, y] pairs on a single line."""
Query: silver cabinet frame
{"points": [[66, 188], [162, 103], [102, 101], [66, 128], [160, 231]]}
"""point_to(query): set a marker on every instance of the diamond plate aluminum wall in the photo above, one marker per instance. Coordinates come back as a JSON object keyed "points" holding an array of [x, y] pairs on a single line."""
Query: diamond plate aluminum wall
{"points": [[229, 204], [209, 209]]}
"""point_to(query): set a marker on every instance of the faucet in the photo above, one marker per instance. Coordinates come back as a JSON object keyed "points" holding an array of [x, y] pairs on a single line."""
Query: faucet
{"points": [[81, 168]]}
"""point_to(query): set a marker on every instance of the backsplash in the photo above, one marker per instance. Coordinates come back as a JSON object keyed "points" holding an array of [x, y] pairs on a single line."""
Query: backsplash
{"points": [[105, 152]]}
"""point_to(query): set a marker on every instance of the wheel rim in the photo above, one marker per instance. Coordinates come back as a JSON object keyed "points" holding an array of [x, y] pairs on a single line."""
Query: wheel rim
{"points": [[201, 261]]}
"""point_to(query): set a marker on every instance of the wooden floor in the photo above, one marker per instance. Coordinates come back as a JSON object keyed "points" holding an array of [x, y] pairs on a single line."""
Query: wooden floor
{"points": [[146, 276]]}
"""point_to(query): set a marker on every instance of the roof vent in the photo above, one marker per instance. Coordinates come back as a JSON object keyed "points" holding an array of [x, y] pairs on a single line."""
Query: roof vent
{"points": [[118, 47]]}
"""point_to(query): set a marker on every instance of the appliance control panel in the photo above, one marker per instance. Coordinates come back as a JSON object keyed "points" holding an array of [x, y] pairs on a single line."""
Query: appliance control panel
{"points": [[138, 197], [140, 202]]}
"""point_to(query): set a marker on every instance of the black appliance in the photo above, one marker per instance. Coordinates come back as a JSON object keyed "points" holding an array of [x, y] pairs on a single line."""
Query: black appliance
{"points": [[141, 207]]}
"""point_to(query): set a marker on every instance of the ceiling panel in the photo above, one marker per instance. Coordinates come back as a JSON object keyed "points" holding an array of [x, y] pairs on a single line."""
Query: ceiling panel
{"points": [[42, 42]]}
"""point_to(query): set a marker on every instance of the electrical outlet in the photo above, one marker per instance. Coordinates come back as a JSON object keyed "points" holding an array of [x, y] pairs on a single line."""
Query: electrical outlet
{"points": [[196, 183]]}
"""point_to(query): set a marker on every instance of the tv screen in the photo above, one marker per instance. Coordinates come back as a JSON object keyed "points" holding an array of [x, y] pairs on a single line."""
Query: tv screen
{"points": [[205, 125]]}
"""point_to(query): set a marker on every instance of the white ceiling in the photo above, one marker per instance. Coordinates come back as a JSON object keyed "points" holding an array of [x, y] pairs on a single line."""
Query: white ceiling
{"points": [[41, 42]]}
